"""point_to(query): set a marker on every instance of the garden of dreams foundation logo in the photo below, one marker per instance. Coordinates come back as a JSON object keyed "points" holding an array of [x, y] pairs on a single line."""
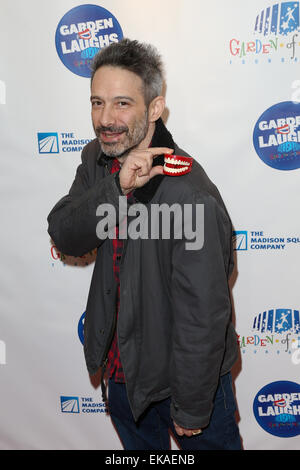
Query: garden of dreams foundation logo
{"points": [[275, 34]]}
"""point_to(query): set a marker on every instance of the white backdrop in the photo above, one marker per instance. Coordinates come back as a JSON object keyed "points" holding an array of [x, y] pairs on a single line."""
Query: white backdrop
{"points": [[214, 101]]}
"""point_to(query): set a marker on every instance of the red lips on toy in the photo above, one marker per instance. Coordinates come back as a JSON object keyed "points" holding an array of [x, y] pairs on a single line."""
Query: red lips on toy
{"points": [[176, 165]]}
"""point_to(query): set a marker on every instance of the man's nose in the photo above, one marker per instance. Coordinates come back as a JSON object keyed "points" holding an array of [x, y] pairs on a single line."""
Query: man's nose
{"points": [[107, 117]]}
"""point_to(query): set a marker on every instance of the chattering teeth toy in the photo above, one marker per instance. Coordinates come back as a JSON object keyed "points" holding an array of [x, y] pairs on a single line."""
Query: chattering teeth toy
{"points": [[176, 165]]}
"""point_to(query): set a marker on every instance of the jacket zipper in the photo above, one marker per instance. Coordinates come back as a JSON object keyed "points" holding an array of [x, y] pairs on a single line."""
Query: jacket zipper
{"points": [[105, 358], [108, 344], [109, 341]]}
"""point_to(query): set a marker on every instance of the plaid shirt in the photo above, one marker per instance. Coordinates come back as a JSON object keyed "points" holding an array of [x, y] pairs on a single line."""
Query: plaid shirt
{"points": [[114, 365]]}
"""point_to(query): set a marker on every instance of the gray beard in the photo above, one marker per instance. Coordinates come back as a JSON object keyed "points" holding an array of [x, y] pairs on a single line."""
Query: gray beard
{"points": [[132, 140]]}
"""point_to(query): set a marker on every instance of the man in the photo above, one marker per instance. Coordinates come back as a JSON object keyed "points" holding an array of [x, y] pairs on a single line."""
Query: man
{"points": [[158, 316]]}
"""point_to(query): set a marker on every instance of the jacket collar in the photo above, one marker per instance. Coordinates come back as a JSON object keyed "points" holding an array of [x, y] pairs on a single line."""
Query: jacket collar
{"points": [[161, 138]]}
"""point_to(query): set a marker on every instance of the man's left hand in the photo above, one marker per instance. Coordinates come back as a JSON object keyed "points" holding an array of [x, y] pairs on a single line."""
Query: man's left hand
{"points": [[186, 432]]}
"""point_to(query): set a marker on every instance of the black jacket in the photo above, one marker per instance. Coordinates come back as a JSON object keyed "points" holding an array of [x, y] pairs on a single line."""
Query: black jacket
{"points": [[175, 333]]}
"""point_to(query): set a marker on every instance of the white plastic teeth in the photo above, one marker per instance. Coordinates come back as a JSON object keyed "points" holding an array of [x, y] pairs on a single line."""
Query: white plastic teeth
{"points": [[175, 170], [176, 162]]}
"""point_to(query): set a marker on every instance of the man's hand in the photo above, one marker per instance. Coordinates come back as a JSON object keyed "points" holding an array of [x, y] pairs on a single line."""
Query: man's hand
{"points": [[186, 432], [137, 169]]}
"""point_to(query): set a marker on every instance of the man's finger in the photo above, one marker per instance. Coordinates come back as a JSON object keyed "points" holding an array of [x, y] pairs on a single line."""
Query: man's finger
{"points": [[144, 168], [156, 170], [179, 430], [155, 151]]}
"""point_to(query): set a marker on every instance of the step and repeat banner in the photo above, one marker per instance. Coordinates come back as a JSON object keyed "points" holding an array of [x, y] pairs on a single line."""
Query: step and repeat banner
{"points": [[233, 103]]}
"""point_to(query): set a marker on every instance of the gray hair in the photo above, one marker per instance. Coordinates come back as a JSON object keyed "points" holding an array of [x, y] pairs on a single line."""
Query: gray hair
{"points": [[141, 59]]}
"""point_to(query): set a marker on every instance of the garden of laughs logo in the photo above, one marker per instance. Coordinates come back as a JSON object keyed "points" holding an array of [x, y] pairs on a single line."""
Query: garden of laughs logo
{"points": [[81, 33], [276, 136], [276, 408]]}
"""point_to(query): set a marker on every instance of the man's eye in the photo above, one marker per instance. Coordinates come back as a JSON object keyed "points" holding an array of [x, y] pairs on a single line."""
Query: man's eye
{"points": [[96, 103], [122, 104]]}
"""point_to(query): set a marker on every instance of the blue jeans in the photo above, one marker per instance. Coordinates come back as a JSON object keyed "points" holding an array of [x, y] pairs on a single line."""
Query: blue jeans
{"points": [[151, 432]]}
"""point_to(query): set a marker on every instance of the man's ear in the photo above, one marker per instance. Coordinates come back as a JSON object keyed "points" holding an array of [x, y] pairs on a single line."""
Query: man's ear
{"points": [[156, 108]]}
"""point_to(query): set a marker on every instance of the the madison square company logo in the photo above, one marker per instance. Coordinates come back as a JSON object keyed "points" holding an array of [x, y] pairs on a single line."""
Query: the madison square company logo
{"points": [[78, 404], [276, 408], [81, 33], [54, 143], [274, 32], [262, 242], [276, 136], [274, 330]]}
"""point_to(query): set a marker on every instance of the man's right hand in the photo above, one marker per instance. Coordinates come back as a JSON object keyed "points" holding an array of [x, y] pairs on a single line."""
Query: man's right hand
{"points": [[137, 168], [186, 432]]}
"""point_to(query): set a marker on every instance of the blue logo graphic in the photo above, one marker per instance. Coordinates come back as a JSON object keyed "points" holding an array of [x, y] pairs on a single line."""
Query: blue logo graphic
{"points": [[48, 142], [81, 33], [276, 136], [279, 320], [80, 328], [276, 408], [280, 19], [240, 240], [69, 404]]}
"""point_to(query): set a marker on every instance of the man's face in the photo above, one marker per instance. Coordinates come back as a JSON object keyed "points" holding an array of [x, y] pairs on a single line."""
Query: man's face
{"points": [[119, 113]]}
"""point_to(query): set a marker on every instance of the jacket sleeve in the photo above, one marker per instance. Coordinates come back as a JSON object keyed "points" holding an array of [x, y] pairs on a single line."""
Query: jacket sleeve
{"points": [[73, 220], [202, 312]]}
